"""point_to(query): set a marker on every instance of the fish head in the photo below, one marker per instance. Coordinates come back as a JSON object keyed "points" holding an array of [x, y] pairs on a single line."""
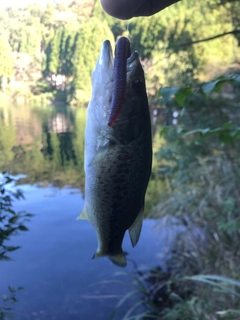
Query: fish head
{"points": [[135, 99], [102, 86]]}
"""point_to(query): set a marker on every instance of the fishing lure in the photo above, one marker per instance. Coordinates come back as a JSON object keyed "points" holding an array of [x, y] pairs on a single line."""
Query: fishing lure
{"points": [[122, 53]]}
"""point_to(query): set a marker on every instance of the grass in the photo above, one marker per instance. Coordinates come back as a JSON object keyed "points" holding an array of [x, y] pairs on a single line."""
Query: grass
{"points": [[194, 287]]}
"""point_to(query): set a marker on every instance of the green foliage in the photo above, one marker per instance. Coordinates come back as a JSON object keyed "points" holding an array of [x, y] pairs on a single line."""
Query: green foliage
{"points": [[66, 39], [165, 42], [181, 292], [118, 27], [6, 60], [60, 52], [173, 296], [47, 17], [87, 48], [53, 53], [199, 165], [10, 221]]}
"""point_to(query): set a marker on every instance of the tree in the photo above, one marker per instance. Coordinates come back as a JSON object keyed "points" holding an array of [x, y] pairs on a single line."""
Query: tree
{"points": [[47, 18], [87, 48], [6, 63]]}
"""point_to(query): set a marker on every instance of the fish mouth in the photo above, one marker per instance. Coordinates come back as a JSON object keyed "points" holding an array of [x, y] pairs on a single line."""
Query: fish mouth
{"points": [[105, 60]]}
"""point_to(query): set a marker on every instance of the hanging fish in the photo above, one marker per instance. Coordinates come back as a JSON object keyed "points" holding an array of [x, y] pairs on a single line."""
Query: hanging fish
{"points": [[118, 150]]}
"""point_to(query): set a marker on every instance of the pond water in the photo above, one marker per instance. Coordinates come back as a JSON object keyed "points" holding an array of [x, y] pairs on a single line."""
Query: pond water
{"points": [[60, 280]]}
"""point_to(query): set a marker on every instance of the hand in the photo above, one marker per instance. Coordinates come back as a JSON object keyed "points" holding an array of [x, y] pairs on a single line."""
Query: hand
{"points": [[126, 9]]}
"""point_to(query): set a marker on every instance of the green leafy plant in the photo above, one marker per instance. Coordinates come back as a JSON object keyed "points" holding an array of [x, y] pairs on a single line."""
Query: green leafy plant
{"points": [[11, 222], [7, 301], [199, 167]]}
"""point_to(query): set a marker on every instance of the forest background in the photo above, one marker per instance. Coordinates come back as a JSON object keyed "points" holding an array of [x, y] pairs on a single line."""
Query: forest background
{"points": [[191, 57], [49, 52]]}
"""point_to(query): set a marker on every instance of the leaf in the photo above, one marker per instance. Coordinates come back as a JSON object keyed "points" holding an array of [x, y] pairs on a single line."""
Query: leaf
{"points": [[180, 129], [13, 219], [218, 282], [204, 131], [168, 93], [23, 228], [122, 300], [20, 288], [11, 248], [182, 112], [29, 215], [9, 180], [11, 211], [235, 134], [228, 312], [201, 131], [236, 80], [219, 86], [209, 87], [216, 278], [14, 299], [164, 131], [4, 297], [227, 125], [11, 289], [182, 95], [225, 137]]}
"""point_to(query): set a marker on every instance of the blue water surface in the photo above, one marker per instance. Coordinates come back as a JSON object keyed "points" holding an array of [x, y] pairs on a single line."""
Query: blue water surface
{"points": [[54, 264]]}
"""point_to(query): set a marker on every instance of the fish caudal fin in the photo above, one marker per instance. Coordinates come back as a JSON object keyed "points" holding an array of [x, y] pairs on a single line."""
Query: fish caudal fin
{"points": [[118, 259], [135, 229], [83, 215]]}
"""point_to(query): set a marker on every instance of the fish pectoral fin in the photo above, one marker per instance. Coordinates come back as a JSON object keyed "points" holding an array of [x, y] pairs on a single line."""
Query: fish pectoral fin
{"points": [[100, 155], [118, 259], [103, 149], [83, 215], [136, 227]]}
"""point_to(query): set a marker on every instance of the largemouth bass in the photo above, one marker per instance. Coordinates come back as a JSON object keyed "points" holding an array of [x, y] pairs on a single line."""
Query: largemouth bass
{"points": [[118, 150]]}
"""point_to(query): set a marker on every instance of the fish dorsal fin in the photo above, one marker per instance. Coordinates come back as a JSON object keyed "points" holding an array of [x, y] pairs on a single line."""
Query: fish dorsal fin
{"points": [[83, 214], [136, 227], [118, 259]]}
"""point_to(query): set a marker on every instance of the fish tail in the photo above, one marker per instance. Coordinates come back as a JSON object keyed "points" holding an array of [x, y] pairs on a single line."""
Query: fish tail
{"points": [[119, 259]]}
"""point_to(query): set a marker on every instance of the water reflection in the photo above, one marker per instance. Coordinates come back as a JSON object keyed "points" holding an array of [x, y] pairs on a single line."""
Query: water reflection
{"points": [[54, 263], [46, 144]]}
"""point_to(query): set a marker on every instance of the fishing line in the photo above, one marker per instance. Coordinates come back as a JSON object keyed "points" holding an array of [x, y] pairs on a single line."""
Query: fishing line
{"points": [[127, 30]]}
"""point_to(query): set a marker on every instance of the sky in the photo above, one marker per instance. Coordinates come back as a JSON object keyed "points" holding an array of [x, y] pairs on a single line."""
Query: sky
{"points": [[21, 3]]}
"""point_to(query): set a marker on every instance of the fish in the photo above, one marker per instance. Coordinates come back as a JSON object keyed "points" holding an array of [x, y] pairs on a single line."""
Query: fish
{"points": [[117, 151]]}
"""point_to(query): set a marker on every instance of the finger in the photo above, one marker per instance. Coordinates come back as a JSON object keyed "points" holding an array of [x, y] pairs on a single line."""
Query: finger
{"points": [[122, 9], [126, 9], [150, 7]]}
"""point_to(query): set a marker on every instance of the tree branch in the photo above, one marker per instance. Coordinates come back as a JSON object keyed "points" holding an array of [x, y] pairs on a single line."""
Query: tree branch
{"points": [[208, 39]]}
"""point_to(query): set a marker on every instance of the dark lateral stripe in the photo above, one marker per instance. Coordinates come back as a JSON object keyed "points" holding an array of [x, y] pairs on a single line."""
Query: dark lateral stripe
{"points": [[122, 52]]}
